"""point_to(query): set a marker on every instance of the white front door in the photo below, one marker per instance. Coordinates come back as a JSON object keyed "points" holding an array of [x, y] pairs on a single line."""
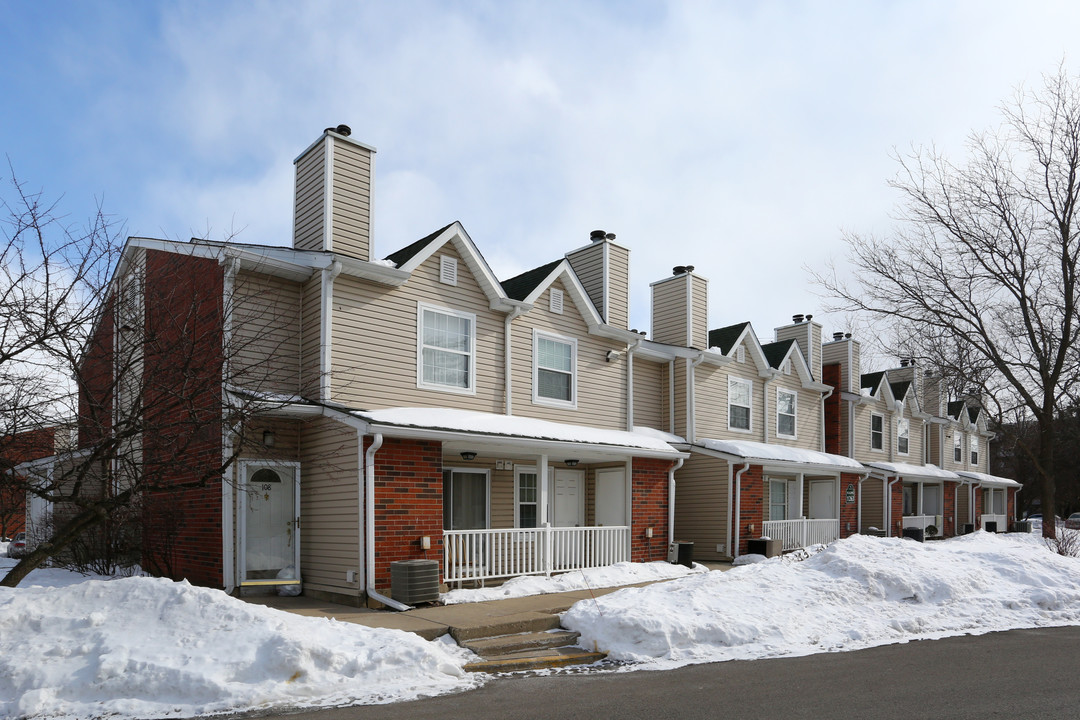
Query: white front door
{"points": [[568, 498], [271, 539], [611, 497], [822, 500]]}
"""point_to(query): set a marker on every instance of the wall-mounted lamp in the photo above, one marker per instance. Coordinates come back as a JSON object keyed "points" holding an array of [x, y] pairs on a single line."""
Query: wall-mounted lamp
{"points": [[571, 463], [611, 355], [425, 543], [648, 532], [268, 438], [468, 455]]}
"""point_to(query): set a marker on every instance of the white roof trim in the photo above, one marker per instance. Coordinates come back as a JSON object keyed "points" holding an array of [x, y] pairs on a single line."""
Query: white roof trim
{"points": [[930, 472], [573, 286], [456, 234], [992, 480], [771, 455]]}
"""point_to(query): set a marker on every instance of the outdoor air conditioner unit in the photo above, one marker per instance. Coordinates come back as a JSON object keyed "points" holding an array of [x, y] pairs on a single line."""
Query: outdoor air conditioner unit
{"points": [[414, 581]]}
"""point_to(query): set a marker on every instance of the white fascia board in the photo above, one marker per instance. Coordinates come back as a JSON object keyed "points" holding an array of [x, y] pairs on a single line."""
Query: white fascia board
{"points": [[786, 465], [382, 274], [468, 251], [343, 138], [556, 271]]}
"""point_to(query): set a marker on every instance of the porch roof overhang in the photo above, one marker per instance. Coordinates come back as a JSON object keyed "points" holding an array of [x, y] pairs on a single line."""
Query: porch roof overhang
{"points": [[921, 473], [273, 404], [990, 480], [511, 434], [778, 456]]}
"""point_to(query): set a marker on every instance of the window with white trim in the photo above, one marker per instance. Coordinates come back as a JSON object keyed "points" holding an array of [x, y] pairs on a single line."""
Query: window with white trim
{"points": [[973, 445], [778, 500], [527, 495], [877, 431], [957, 447], [903, 435], [446, 349], [739, 404], [554, 374], [786, 404]]}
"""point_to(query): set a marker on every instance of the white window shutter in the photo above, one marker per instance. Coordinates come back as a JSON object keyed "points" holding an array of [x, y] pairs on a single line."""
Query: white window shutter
{"points": [[447, 270], [556, 301]]}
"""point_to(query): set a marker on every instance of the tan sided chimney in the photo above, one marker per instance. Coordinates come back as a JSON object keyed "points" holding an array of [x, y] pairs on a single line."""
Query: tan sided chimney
{"points": [[603, 266], [332, 199], [807, 333], [680, 309]]}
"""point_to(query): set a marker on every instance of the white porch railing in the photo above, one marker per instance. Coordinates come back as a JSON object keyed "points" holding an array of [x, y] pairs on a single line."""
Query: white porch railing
{"points": [[1001, 520], [801, 533], [488, 554], [924, 523]]}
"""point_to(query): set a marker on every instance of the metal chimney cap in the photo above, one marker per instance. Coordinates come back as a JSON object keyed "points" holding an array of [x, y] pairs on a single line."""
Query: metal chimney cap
{"points": [[678, 270], [903, 362], [797, 318], [838, 336], [597, 235]]}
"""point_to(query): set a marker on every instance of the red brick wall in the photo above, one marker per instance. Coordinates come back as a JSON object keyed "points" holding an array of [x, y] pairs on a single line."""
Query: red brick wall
{"points": [[978, 507], [95, 381], [830, 375], [949, 499], [1010, 500], [182, 439], [896, 513], [649, 487], [849, 511], [14, 450], [408, 504], [751, 505]]}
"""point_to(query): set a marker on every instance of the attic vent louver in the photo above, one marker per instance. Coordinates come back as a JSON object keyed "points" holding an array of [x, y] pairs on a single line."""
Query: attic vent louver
{"points": [[556, 301], [447, 270]]}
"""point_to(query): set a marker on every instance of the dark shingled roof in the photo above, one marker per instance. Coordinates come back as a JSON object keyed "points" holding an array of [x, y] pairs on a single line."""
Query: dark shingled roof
{"points": [[407, 253], [955, 408], [872, 380], [973, 414], [899, 389], [776, 352], [725, 337], [519, 286]]}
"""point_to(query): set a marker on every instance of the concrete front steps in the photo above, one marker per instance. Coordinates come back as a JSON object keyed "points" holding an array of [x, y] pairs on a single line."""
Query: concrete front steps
{"points": [[525, 641]]}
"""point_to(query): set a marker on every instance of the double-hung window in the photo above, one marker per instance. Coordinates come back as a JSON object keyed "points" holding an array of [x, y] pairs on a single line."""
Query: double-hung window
{"points": [[739, 392], [554, 370], [903, 435], [786, 402], [527, 496], [877, 432], [957, 447], [973, 444], [778, 499], [446, 349]]}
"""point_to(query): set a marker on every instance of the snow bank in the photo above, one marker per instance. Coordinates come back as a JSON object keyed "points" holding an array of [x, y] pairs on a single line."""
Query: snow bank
{"points": [[856, 593], [149, 647], [624, 573]]}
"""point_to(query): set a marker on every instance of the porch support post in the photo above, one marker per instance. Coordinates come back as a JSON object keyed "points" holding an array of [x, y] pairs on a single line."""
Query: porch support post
{"points": [[544, 499], [800, 483]]}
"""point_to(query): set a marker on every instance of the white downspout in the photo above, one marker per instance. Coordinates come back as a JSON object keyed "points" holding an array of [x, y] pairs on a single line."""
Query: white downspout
{"points": [[825, 397], [858, 505], [630, 348], [228, 549], [508, 369], [326, 328], [971, 506], [691, 424], [671, 396], [765, 407], [369, 525], [671, 499], [888, 504], [738, 517]]}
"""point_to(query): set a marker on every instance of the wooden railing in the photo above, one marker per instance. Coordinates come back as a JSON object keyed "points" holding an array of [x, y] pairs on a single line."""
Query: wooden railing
{"points": [[802, 533], [488, 554]]}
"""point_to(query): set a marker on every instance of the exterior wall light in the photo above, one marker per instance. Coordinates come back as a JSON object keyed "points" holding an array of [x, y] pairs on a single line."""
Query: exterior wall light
{"points": [[571, 463], [268, 438], [468, 455]]}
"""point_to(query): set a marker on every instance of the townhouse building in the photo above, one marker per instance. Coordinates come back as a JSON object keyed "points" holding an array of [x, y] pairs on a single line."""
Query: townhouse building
{"points": [[415, 406]]}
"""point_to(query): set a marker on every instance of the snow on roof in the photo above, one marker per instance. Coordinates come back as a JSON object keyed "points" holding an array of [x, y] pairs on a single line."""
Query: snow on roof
{"points": [[989, 479], [469, 421], [767, 451], [660, 435], [909, 470]]}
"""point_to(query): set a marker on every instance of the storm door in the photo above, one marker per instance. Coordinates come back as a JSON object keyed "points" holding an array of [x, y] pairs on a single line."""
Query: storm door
{"points": [[270, 535]]}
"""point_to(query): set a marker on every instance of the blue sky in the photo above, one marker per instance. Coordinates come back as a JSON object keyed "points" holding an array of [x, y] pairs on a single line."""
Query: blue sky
{"points": [[742, 138]]}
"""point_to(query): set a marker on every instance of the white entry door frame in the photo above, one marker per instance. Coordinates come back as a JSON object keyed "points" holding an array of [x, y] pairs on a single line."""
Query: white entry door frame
{"points": [[268, 522]]}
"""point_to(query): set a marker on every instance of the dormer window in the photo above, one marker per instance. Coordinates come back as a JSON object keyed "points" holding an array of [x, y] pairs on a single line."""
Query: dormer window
{"points": [[957, 447], [903, 435], [786, 402], [739, 403], [973, 443], [877, 432], [446, 349]]}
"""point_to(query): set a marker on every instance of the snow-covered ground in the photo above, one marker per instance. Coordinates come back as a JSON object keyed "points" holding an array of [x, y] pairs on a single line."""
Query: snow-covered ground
{"points": [[856, 593], [624, 573], [78, 647]]}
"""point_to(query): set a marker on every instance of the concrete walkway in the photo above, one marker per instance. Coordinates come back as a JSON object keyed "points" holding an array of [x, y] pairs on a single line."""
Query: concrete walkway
{"points": [[492, 617]]}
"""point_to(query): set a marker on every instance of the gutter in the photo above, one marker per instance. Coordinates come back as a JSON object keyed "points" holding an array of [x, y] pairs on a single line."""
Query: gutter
{"points": [[369, 525], [507, 369], [228, 568], [630, 348], [691, 411], [765, 406], [738, 518], [888, 503], [326, 328], [825, 397], [671, 499]]}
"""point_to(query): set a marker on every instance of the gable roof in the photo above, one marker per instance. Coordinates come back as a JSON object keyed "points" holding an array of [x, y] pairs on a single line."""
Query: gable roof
{"points": [[973, 414], [520, 286], [955, 408], [900, 389], [407, 253], [871, 381], [777, 352], [726, 337]]}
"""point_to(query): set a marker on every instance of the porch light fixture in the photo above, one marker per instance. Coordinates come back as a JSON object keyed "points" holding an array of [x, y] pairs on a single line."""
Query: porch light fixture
{"points": [[571, 463], [468, 455], [268, 438], [648, 532]]}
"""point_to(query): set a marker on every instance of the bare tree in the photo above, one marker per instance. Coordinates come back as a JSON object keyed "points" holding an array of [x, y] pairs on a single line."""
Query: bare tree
{"points": [[981, 274]]}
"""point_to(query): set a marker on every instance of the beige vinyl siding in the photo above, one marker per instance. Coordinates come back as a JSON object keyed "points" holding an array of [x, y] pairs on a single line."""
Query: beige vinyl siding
{"points": [[947, 447], [711, 398], [807, 413], [863, 453], [934, 454], [650, 383], [873, 505], [286, 440], [352, 200], [310, 335], [963, 507], [601, 385], [329, 506], [265, 352], [375, 332], [618, 312], [699, 290], [588, 265], [915, 439], [669, 311], [309, 201], [679, 399], [701, 506]]}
